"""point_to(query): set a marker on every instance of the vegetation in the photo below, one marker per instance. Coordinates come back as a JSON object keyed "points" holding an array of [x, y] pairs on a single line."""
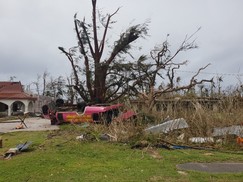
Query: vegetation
{"points": [[106, 79], [58, 156], [78, 153], [106, 71]]}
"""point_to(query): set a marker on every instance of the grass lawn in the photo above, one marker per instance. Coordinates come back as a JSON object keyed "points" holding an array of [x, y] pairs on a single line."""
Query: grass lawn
{"points": [[58, 156]]}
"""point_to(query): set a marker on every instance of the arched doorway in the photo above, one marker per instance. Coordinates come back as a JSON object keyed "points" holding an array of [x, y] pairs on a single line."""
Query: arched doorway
{"points": [[31, 107], [17, 108], [3, 109]]}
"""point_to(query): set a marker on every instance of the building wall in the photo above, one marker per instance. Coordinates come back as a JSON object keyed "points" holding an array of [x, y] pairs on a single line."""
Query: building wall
{"points": [[27, 105], [41, 100]]}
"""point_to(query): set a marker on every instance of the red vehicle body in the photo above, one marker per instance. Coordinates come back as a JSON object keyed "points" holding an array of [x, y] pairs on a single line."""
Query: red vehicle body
{"points": [[93, 113]]}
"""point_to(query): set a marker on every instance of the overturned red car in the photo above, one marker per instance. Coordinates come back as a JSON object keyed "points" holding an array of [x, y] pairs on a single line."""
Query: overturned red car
{"points": [[96, 113]]}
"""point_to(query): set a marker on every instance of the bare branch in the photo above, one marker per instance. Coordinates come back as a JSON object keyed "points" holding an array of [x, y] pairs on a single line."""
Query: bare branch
{"points": [[82, 50], [102, 43], [96, 46]]}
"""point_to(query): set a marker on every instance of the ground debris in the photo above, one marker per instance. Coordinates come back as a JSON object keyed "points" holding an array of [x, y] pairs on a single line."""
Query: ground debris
{"points": [[201, 140], [231, 130], [168, 126], [16, 150]]}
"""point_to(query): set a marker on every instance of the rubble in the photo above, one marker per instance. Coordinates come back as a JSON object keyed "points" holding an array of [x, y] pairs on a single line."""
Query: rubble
{"points": [[168, 126], [107, 137], [81, 137], [231, 130], [201, 139], [18, 149]]}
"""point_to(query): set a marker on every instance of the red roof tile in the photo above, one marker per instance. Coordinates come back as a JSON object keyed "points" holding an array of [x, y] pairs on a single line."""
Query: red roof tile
{"points": [[13, 90]]}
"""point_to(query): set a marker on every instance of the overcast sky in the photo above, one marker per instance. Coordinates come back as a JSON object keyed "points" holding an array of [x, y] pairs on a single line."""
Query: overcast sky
{"points": [[31, 31]]}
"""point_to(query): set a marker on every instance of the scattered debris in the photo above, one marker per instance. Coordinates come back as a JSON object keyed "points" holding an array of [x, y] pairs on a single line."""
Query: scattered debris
{"points": [[168, 126], [219, 141], [20, 126], [208, 154], [24, 146], [181, 137], [107, 137], [239, 140], [171, 146], [10, 153], [104, 137], [201, 140], [182, 173], [127, 115], [22, 118], [231, 130], [19, 148], [81, 137]]}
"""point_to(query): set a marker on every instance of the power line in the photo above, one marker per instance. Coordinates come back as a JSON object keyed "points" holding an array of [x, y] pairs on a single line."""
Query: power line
{"points": [[208, 73]]}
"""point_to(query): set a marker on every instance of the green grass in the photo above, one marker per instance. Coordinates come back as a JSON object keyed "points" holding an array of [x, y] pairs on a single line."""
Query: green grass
{"points": [[58, 156]]}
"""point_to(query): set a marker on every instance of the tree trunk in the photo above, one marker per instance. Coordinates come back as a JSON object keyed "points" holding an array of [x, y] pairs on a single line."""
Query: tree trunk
{"points": [[99, 88]]}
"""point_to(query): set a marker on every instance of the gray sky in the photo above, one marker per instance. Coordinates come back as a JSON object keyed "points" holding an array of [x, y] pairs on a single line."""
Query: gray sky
{"points": [[32, 30]]}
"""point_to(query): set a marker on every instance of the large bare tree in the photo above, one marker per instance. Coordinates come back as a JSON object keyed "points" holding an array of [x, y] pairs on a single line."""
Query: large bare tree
{"points": [[119, 74], [99, 79]]}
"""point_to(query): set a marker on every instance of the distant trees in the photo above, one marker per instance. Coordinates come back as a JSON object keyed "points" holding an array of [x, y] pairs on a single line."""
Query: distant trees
{"points": [[40, 83], [46, 85]]}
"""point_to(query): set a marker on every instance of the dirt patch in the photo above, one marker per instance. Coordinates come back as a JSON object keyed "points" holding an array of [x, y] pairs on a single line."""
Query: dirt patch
{"points": [[33, 124]]}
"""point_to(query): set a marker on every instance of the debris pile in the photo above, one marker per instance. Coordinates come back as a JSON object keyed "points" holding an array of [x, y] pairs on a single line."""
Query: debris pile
{"points": [[16, 150], [168, 126], [231, 130]]}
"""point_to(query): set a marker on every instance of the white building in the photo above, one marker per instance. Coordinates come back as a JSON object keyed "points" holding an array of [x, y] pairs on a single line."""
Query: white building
{"points": [[13, 99]]}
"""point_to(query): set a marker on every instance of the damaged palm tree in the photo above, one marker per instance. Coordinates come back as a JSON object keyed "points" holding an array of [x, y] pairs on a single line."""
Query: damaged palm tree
{"points": [[99, 79]]}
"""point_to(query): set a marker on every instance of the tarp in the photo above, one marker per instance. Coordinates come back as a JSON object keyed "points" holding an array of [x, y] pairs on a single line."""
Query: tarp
{"points": [[168, 126]]}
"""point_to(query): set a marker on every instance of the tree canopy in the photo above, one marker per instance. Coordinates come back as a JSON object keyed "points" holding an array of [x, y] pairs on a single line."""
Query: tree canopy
{"points": [[106, 78]]}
